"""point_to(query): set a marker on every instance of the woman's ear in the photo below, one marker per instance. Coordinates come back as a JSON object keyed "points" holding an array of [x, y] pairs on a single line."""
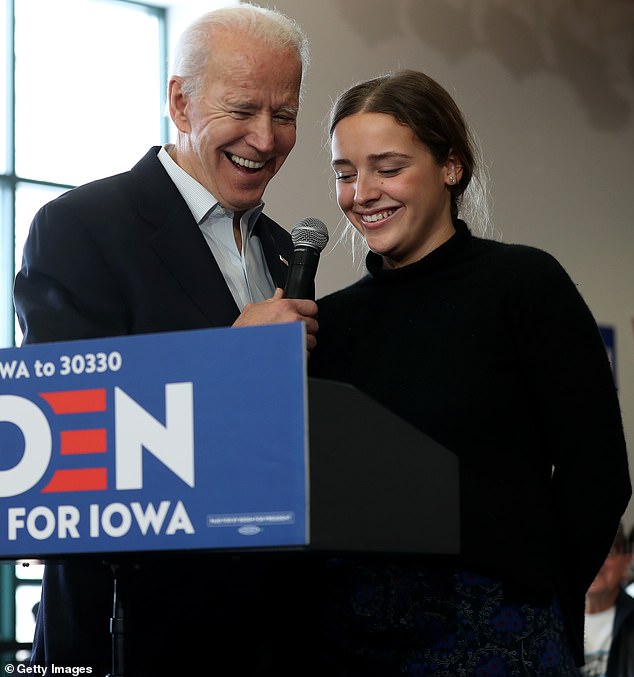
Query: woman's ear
{"points": [[453, 169]]}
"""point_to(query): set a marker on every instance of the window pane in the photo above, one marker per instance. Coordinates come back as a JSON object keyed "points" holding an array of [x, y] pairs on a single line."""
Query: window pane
{"points": [[28, 199], [26, 598], [4, 93], [6, 263], [88, 88]]}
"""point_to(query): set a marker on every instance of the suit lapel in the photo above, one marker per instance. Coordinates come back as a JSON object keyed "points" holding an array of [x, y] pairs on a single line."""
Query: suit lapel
{"points": [[176, 238], [277, 251]]}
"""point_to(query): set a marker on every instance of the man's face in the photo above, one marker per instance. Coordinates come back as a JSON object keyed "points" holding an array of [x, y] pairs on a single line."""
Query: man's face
{"points": [[235, 136]]}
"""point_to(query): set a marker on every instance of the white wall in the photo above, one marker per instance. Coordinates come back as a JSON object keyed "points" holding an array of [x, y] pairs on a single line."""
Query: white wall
{"points": [[547, 85]]}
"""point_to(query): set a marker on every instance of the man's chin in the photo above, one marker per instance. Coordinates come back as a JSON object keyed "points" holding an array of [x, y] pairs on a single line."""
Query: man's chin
{"points": [[243, 197]]}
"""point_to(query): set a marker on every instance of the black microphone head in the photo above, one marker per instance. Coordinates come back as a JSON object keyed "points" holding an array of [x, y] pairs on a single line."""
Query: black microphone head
{"points": [[310, 232]]}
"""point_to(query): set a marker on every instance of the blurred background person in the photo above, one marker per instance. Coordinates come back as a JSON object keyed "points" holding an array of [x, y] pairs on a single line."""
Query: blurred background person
{"points": [[609, 616]]}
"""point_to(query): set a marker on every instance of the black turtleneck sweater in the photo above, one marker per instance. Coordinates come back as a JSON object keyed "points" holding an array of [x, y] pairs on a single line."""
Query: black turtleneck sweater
{"points": [[490, 350]]}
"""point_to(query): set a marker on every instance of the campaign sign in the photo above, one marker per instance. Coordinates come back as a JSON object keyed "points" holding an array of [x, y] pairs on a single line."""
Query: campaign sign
{"points": [[171, 441]]}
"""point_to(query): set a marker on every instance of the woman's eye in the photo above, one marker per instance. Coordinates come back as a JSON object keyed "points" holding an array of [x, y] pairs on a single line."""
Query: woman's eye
{"points": [[344, 177], [390, 171]]}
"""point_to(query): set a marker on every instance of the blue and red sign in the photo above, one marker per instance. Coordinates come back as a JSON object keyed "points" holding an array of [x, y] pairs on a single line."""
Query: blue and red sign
{"points": [[184, 440]]}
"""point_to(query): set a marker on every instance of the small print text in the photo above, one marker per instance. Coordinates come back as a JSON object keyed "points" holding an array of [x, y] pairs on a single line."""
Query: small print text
{"points": [[80, 363]]}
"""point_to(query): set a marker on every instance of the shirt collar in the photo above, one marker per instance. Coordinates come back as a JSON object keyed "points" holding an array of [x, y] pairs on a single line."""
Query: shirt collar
{"points": [[200, 201]]}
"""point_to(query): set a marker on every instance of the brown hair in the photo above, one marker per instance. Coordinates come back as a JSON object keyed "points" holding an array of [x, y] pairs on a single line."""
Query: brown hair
{"points": [[416, 100]]}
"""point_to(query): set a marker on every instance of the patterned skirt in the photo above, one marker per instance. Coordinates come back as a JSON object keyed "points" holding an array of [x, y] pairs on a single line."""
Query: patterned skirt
{"points": [[385, 619]]}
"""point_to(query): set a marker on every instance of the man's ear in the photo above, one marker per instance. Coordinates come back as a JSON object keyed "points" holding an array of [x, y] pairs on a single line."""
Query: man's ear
{"points": [[178, 105]]}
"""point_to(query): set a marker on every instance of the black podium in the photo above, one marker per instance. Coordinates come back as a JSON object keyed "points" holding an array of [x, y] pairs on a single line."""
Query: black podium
{"points": [[376, 482]]}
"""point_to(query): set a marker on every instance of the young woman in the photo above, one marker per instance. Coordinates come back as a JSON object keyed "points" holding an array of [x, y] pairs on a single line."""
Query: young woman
{"points": [[489, 349]]}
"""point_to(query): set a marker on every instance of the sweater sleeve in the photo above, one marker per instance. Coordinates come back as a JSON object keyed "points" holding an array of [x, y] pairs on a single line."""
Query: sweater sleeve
{"points": [[568, 370]]}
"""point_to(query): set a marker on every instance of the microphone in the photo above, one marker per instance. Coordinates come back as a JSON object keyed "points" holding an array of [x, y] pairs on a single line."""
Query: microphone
{"points": [[309, 238]]}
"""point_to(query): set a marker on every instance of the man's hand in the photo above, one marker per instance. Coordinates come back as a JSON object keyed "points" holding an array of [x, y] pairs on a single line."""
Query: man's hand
{"points": [[277, 310]]}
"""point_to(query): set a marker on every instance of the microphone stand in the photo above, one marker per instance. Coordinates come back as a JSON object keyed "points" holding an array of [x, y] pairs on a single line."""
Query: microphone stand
{"points": [[117, 622]]}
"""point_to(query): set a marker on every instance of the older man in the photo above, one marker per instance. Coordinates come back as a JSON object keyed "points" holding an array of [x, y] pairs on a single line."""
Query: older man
{"points": [[179, 242]]}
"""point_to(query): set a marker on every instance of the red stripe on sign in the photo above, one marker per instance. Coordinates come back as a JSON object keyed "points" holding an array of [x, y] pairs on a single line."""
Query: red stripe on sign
{"points": [[84, 479], [76, 401], [84, 441]]}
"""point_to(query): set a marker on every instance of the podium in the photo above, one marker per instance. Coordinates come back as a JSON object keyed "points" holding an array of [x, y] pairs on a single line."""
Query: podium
{"points": [[376, 482], [208, 440]]}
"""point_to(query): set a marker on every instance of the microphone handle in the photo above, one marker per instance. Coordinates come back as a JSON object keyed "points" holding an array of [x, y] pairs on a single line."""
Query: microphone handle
{"points": [[300, 282]]}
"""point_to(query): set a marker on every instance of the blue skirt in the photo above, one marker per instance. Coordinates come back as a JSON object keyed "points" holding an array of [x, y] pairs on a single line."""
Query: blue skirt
{"points": [[385, 619]]}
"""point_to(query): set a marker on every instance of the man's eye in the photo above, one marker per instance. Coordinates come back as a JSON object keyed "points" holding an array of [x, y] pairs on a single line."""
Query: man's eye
{"points": [[286, 118]]}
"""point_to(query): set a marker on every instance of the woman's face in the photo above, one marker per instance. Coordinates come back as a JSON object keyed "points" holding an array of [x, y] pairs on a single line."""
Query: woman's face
{"points": [[391, 188]]}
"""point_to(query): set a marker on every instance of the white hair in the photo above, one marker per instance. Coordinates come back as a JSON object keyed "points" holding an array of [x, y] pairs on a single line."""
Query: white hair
{"points": [[269, 26]]}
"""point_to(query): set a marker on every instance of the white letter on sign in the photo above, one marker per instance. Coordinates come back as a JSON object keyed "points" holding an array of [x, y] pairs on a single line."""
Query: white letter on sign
{"points": [[38, 445], [172, 443]]}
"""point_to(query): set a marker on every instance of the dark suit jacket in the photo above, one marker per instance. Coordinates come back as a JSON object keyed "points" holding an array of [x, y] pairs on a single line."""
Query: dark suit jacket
{"points": [[124, 255]]}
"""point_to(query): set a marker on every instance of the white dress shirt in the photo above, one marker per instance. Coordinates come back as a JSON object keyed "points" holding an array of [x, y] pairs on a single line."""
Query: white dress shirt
{"points": [[245, 272]]}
